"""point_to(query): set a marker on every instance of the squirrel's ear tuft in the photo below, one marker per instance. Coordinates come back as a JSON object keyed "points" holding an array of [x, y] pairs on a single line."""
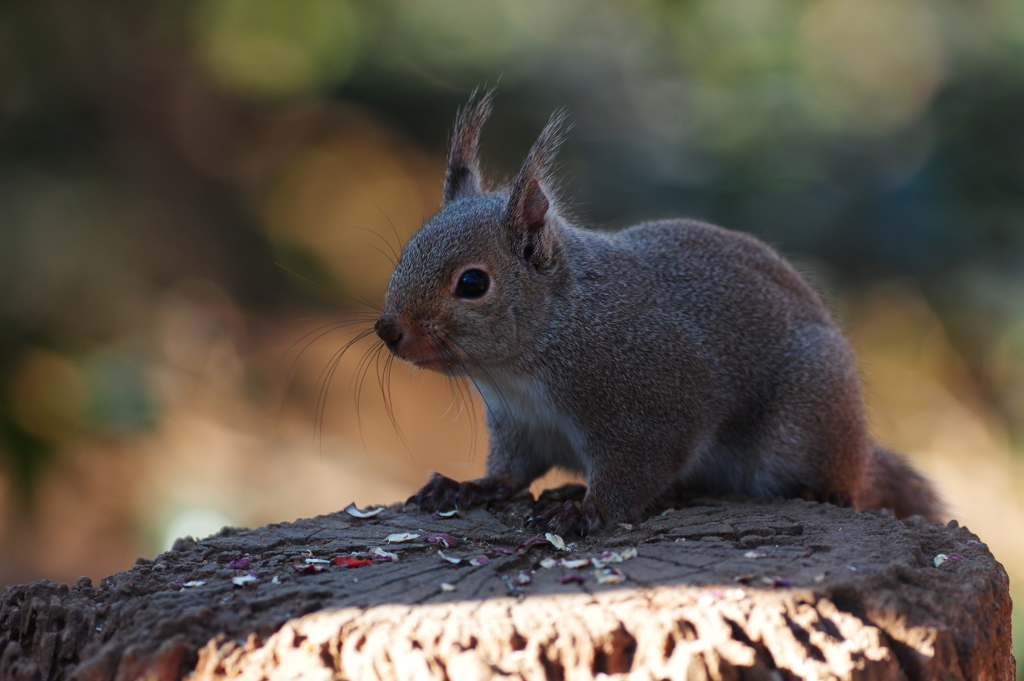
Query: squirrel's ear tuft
{"points": [[463, 175], [529, 202]]}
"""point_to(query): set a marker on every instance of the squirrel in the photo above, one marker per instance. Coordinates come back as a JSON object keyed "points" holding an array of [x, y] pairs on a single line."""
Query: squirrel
{"points": [[671, 357]]}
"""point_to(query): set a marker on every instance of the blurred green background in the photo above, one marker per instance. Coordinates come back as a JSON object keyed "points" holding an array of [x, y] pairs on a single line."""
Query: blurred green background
{"points": [[192, 191]]}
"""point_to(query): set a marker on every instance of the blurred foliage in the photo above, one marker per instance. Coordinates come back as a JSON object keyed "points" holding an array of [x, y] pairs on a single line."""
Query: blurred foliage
{"points": [[272, 49], [22, 452]]}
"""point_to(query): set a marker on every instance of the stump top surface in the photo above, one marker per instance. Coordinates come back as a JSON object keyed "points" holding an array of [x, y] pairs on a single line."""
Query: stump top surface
{"points": [[713, 552]]}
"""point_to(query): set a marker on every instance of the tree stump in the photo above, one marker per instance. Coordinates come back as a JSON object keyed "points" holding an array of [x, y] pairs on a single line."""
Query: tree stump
{"points": [[720, 589]]}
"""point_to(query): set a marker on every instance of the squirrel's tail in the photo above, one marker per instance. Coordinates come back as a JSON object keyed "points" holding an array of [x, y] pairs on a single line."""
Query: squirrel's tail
{"points": [[894, 484]]}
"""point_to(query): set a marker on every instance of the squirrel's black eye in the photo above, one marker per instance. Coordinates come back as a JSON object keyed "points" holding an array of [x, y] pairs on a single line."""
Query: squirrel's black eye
{"points": [[472, 284]]}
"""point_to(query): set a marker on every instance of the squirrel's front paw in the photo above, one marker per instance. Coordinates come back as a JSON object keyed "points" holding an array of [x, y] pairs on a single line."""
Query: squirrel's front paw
{"points": [[439, 494], [443, 494], [569, 518]]}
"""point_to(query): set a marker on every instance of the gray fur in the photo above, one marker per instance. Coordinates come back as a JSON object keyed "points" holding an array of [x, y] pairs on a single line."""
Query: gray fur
{"points": [[670, 357]]}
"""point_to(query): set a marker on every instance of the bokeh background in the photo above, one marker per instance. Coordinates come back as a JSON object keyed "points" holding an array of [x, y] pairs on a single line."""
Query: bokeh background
{"points": [[195, 193]]}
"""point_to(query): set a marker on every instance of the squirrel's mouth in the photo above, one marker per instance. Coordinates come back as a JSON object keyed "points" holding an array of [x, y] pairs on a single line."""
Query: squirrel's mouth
{"points": [[427, 355], [417, 343], [417, 349], [438, 365]]}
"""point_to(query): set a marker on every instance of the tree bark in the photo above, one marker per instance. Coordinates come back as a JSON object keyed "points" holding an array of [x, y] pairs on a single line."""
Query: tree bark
{"points": [[721, 589]]}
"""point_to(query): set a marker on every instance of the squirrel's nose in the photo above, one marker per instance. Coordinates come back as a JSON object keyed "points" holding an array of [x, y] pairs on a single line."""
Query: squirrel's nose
{"points": [[389, 332]]}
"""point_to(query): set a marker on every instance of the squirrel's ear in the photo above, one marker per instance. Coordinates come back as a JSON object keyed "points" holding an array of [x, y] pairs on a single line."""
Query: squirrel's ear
{"points": [[529, 202], [463, 175], [533, 207]]}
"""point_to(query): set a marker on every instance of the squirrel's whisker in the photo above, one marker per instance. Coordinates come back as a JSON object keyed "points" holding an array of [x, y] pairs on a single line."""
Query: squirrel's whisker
{"points": [[467, 375], [324, 382], [357, 385], [389, 363], [321, 387], [494, 385], [398, 239], [318, 333], [385, 387], [362, 368], [393, 257], [378, 308], [342, 319], [455, 371], [365, 317]]}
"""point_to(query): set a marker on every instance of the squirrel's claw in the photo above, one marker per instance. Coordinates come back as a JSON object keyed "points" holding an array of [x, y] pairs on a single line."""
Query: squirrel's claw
{"points": [[439, 494], [569, 518], [442, 493]]}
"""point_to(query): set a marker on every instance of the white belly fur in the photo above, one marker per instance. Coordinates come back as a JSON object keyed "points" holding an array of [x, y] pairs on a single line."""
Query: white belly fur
{"points": [[550, 432]]}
